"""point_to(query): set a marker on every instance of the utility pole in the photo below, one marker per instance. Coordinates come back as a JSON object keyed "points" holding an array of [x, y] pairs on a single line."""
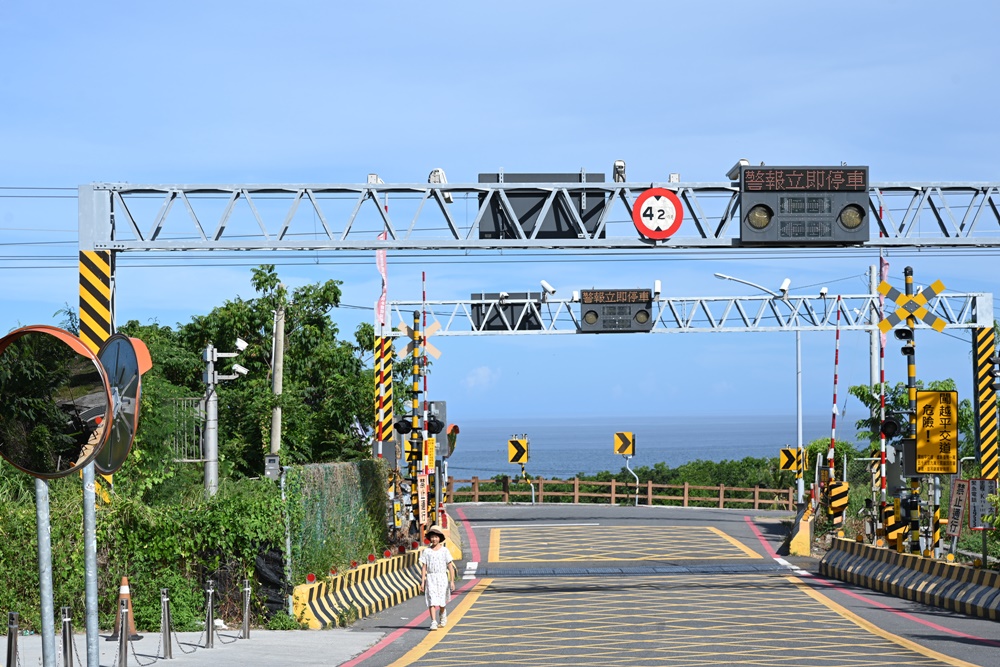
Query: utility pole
{"points": [[278, 345], [211, 423]]}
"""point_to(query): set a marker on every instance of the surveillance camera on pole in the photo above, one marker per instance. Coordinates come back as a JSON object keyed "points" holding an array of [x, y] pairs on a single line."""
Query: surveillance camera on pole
{"points": [[548, 288], [437, 177]]}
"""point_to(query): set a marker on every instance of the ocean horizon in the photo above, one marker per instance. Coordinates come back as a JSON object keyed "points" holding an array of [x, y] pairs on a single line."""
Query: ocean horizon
{"points": [[566, 446]]}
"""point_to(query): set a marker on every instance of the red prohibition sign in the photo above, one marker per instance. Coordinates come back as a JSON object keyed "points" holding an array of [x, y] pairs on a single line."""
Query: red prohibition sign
{"points": [[657, 213]]}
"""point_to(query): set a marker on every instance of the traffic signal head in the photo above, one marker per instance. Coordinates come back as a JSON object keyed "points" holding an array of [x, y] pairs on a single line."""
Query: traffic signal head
{"points": [[434, 425], [403, 426], [891, 426], [804, 206]]}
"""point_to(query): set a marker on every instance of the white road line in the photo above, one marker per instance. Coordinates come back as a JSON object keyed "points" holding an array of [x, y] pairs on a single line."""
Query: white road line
{"points": [[470, 570]]}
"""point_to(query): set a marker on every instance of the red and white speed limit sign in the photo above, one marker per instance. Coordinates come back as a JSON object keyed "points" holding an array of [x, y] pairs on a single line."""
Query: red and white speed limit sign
{"points": [[657, 213]]}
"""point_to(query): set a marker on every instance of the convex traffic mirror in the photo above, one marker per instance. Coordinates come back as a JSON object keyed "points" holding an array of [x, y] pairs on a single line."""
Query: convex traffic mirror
{"points": [[59, 406]]}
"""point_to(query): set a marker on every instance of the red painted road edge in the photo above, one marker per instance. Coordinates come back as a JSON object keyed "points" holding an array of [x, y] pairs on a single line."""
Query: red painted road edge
{"points": [[878, 605], [419, 621]]}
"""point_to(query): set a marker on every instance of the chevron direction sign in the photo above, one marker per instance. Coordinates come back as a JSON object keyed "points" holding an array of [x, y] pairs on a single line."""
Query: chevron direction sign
{"points": [[789, 458], [911, 306], [625, 443], [517, 451]]}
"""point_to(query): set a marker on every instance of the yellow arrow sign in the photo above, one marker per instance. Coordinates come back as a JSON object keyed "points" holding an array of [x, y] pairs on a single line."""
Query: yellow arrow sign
{"points": [[624, 443], [789, 458], [911, 306], [517, 451]]}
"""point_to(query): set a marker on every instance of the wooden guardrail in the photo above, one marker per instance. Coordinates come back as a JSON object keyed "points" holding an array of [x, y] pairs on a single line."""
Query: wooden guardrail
{"points": [[572, 490]]}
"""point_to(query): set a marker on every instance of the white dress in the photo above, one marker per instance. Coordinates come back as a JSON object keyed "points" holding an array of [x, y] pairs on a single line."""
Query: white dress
{"points": [[437, 592]]}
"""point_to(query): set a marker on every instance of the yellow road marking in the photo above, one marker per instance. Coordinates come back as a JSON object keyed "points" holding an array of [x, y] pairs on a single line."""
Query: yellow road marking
{"points": [[874, 629], [736, 543], [494, 556], [432, 638]]}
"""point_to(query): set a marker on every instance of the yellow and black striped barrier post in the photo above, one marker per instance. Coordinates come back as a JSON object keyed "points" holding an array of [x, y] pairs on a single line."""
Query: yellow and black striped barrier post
{"points": [[984, 351], [383, 390], [911, 385], [839, 495], [416, 446], [97, 313]]}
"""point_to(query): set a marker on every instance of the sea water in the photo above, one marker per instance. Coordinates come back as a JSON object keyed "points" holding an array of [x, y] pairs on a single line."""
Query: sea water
{"points": [[565, 446]]}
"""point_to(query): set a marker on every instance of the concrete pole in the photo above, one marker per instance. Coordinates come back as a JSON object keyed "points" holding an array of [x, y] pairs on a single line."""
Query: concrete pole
{"points": [[278, 343], [45, 572], [211, 424]]}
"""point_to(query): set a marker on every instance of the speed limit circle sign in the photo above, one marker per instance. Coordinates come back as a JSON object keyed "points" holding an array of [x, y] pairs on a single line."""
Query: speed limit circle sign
{"points": [[657, 213]]}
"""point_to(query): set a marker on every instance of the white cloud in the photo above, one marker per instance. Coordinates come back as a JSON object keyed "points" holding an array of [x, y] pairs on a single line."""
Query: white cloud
{"points": [[482, 377]]}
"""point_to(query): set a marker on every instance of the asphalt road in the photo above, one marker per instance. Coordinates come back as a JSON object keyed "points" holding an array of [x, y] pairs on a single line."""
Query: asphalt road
{"points": [[589, 585], [592, 585]]}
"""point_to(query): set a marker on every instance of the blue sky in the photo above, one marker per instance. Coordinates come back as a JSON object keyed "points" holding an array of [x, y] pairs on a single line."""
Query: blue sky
{"points": [[304, 92]]}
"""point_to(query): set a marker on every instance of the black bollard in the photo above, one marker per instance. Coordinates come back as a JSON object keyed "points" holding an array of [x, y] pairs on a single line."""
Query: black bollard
{"points": [[67, 636], [13, 628], [168, 651]]}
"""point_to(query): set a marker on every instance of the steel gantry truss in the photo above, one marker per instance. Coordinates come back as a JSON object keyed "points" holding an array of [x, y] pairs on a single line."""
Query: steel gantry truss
{"points": [[123, 217], [858, 312]]}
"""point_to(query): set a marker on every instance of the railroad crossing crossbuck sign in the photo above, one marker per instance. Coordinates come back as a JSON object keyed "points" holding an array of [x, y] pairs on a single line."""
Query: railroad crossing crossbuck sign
{"points": [[428, 332], [625, 443], [911, 306]]}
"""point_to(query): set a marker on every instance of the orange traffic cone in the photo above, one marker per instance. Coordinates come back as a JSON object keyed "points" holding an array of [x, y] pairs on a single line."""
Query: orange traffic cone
{"points": [[124, 594]]}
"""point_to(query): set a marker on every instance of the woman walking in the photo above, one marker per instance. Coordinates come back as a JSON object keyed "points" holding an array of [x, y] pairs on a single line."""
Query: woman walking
{"points": [[437, 577]]}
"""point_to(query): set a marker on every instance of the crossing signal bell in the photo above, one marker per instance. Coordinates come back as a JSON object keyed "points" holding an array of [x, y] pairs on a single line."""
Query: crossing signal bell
{"points": [[804, 206]]}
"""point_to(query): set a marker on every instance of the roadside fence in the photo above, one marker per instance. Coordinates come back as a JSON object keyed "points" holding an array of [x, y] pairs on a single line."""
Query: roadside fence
{"points": [[614, 492]]}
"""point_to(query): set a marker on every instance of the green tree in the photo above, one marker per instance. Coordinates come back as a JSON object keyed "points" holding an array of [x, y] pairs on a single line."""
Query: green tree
{"points": [[897, 402]]}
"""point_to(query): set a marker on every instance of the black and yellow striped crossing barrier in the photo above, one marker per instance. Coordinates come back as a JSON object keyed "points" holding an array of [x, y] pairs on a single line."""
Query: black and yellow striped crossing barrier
{"points": [[359, 592], [959, 588]]}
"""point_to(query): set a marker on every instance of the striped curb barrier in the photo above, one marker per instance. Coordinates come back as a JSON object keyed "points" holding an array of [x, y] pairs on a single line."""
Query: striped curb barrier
{"points": [[959, 588], [359, 592]]}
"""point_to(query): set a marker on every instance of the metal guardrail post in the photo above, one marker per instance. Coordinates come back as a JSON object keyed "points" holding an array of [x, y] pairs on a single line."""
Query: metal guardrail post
{"points": [[210, 615], [123, 634], [13, 628], [67, 636], [246, 609], [168, 651]]}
